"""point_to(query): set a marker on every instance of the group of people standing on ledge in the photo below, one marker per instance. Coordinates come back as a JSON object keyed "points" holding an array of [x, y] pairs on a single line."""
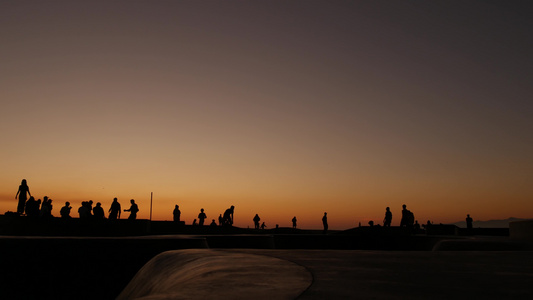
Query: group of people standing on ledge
{"points": [[223, 220], [43, 209], [37, 208], [408, 218]]}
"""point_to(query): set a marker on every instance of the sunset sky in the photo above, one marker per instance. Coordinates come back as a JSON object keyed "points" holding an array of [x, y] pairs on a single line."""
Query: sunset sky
{"points": [[280, 108]]}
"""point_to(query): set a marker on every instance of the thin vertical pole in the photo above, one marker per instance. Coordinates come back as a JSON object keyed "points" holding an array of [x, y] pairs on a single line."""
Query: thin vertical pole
{"points": [[151, 197]]}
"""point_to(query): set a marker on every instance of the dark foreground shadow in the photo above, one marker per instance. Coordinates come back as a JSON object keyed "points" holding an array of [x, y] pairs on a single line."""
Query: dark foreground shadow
{"points": [[76, 268]]}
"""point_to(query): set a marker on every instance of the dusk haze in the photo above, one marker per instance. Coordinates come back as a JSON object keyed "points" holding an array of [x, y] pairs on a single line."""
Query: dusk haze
{"points": [[279, 108]]}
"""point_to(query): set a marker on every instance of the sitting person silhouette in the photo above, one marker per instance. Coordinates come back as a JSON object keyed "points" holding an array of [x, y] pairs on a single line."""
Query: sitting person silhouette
{"points": [[65, 211], [98, 211]]}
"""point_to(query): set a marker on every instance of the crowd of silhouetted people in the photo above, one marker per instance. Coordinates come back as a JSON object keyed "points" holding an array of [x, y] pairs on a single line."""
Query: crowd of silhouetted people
{"points": [[43, 209]]}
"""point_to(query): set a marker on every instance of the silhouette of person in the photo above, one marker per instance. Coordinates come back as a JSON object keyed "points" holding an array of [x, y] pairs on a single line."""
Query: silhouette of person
{"points": [[388, 217], [114, 210], [46, 208], [408, 218], [228, 216], [30, 207], [416, 226], [294, 222], [469, 222], [176, 213], [256, 221], [83, 211], [90, 208], [213, 223], [201, 216], [325, 222], [133, 210], [21, 194], [33, 208], [65, 211], [263, 226], [98, 211], [194, 222], [220, 220]]}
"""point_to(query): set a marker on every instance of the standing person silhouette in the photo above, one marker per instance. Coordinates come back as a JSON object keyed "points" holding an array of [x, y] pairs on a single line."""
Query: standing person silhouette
{"points": [[228, 216], [256, 221], [325, 222], [21, 193], [114, 210], [176, 213], [469, 221], [294, 222], [98, 212], [65, 211], [388, 217], [133, 210], [201, 216]]}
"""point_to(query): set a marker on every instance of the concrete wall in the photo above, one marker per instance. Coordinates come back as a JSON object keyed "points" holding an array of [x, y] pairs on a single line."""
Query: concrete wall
{"points": [[521, 230]]}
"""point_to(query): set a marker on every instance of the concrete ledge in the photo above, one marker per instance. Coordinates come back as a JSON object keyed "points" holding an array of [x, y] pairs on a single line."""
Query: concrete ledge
{"points": [[521, 230], [482, 245], [215, 274]]}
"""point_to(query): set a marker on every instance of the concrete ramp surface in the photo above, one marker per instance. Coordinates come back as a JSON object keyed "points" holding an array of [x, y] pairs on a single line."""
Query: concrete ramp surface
{"points": [[217, 274]]}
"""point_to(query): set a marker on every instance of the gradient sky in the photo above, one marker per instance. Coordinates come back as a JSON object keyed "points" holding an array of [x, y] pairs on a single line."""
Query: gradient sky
{"points": [[281, 108]]}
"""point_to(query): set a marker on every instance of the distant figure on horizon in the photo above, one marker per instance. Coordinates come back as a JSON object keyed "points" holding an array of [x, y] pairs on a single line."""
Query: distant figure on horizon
{"points": [[201, 216], [114, 210], [65, 211], [416, 226], [294, 222], [21, 194], [325, 222], [228, 216], [408, 218], [388, 217], [213, 223], [263, 226], [469, 222], [46, 208], [176, 213], [133, 210], [98, 212], [220, 220], [256, 220]]}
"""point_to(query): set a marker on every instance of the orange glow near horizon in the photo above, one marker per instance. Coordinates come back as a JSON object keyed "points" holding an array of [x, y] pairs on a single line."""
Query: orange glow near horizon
{"points": [[277, 108]]}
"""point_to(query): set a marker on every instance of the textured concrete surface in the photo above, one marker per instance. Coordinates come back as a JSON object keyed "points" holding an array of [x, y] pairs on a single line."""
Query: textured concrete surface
{"points": [[354, 274], [212, 274]]}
